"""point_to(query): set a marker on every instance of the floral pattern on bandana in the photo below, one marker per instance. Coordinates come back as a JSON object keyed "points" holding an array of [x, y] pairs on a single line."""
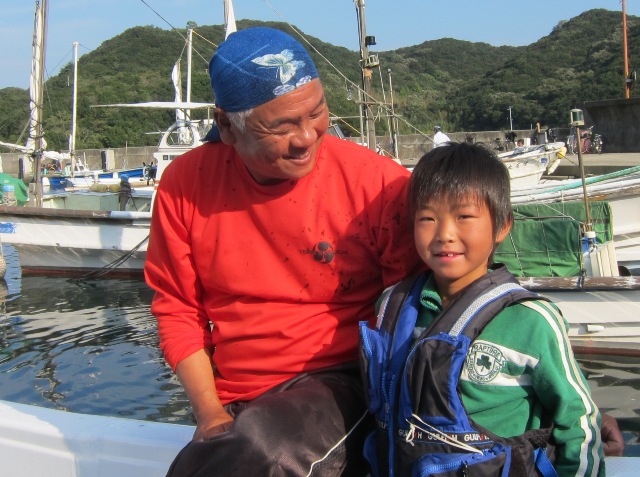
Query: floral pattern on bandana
{"points": [[287, 68]]}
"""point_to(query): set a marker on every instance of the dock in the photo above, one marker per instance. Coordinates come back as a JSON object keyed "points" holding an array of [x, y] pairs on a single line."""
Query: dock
{"points": [[596, 164]]}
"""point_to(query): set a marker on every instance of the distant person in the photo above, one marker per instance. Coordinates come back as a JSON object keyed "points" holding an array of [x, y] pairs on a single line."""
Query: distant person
{"points": [[487, 374], [151, 171], [269, 243], [520, 143], [439, 138]]}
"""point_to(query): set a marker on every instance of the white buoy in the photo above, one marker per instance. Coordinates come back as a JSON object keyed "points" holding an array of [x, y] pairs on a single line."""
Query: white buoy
{"points": [[3, 265]]}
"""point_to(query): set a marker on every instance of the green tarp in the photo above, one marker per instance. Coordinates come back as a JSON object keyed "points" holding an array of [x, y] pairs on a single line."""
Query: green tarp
{"points": [[545, 240], [20, 191]]}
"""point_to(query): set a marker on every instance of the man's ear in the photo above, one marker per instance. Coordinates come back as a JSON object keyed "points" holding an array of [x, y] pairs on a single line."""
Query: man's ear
{"points": [[227, 134], [502, 234]]}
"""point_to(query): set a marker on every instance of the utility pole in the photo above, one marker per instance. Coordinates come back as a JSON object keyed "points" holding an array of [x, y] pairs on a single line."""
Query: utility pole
{"points": [[627, 79], [367, 63], [510, 119], [394, 120]]}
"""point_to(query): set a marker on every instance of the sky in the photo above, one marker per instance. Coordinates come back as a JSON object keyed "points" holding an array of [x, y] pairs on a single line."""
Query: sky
{"points": [[394, 23]]}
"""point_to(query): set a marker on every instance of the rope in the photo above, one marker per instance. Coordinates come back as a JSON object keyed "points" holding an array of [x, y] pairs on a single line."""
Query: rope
{"points": [[595, 179], [381, 106], [110, 266]]}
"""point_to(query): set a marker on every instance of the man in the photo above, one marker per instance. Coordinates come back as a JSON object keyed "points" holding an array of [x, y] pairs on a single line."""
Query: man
{"points": [[439, 138], [268, 244]]}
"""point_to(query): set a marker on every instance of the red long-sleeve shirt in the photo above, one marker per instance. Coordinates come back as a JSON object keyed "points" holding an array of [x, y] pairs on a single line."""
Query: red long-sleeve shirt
{"points": [[283, 272]]}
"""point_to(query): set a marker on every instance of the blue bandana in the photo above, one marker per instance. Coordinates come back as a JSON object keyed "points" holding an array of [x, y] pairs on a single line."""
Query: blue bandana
{"points": [[253, 66]]}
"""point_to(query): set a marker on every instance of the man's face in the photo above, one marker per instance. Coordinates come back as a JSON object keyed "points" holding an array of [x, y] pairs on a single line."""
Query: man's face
{"points": [[281, 137]]}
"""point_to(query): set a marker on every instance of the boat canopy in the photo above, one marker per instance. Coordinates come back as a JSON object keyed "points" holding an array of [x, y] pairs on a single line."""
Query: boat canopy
{"points": [[546, 239]]}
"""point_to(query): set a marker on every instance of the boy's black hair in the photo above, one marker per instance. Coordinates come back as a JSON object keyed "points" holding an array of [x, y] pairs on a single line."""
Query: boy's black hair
{"points": [[458, 170]]}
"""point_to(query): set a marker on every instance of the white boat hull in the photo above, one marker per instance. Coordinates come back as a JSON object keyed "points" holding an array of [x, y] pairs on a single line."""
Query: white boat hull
{"points": [[603, 313], [524, 173], [527, 165], [75, 240], [47, 442]]}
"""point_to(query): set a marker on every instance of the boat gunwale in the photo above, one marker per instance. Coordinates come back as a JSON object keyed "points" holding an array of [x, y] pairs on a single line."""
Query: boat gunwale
{"points": [[580, 284], [35, 212]]}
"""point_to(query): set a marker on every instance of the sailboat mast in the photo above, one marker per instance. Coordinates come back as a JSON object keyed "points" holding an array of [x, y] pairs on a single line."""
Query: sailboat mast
{"points": [[229, 19], [72, 138], [189, 55], [367, 63], [36, 86]]}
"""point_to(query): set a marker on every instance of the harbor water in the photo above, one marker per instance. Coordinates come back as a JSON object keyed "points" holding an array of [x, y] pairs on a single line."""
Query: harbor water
{"points": [[90, 346]]}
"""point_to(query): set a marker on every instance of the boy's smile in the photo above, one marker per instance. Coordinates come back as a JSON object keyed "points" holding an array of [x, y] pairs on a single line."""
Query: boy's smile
{"points": [[455, 240]]}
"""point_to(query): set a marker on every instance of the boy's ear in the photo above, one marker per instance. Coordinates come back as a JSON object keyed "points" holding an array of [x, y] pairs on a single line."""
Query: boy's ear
{"points": [[502, 234], [223, 122]]}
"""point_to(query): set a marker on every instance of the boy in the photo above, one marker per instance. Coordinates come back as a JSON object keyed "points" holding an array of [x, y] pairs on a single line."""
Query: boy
{"points": [[467, 372]]}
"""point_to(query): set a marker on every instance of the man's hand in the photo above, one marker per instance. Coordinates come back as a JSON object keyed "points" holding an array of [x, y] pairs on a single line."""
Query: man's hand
{"points": [[216, 424], [196, 376], [612, 440]]}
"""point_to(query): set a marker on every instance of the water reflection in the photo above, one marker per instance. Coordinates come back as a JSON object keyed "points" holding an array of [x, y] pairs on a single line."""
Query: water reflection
{"points": [[87, 346], [615, 386]]}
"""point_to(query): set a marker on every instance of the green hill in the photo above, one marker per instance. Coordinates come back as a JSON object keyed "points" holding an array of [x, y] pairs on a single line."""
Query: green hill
{"points": [[457, 84]]}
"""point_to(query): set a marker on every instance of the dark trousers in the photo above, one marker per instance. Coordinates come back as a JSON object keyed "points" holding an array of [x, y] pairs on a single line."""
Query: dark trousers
{"points": [[312, 425]]}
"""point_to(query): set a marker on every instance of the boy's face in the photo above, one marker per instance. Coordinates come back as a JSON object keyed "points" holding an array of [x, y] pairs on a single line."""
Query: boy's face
{"points": [[455, 239]]}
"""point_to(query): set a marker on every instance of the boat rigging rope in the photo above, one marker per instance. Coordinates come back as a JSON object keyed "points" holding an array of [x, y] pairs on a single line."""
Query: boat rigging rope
{"points": [[595, 179], [111, 266], [382, 106]]}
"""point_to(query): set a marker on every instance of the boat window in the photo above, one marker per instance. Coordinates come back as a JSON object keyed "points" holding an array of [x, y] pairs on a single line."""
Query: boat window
{"points": [[180, 136], [167, 157]]}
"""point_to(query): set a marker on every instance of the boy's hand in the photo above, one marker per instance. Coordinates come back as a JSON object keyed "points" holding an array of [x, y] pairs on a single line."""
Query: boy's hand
{"points": [[612, 440]]}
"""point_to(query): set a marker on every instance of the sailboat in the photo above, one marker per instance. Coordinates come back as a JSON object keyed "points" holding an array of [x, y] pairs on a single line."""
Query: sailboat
{"points": [[186, 133], [36, 145], [67, 239]]}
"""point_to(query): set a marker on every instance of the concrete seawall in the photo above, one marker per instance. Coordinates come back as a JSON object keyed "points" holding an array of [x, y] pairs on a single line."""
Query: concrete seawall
{"points": [[120, 158], [410, 147]]}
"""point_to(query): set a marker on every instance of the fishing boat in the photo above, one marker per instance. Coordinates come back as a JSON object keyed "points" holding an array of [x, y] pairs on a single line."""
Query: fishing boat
{"points": [[76, 241], [620, 189], [103, 226], [578, 242], [101, 230], [527, 164]]}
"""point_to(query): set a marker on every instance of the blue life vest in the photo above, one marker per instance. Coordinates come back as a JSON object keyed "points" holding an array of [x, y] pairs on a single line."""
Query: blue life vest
{"points": [[423, 428]]}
